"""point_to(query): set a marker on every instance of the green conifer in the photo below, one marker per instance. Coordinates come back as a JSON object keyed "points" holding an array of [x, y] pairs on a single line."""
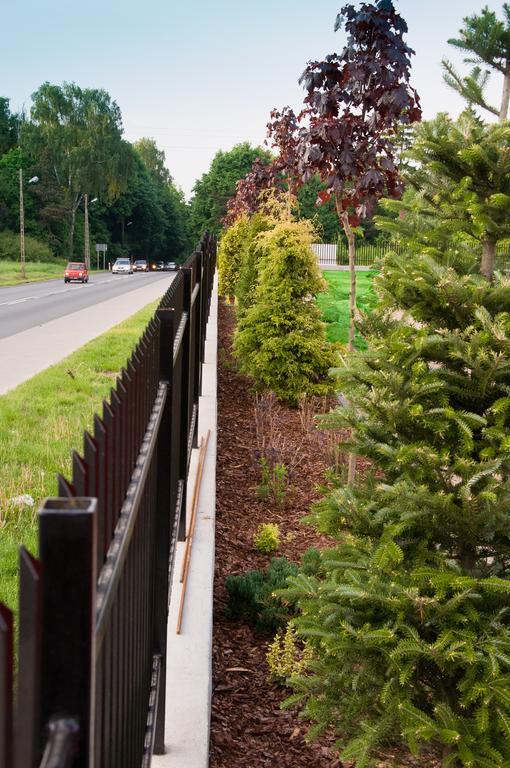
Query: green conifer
{"points": [[411, 615], [280, 340]]}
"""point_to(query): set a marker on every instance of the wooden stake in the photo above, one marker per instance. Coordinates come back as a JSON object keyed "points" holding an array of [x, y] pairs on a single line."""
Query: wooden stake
{"points": [[189, 539]]}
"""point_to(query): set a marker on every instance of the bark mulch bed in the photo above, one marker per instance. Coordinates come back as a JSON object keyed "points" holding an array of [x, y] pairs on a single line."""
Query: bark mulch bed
{"points": [[248, 728]]}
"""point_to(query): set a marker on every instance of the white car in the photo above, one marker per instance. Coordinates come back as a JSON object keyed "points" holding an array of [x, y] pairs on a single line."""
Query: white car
{"points": [[122, 267]]}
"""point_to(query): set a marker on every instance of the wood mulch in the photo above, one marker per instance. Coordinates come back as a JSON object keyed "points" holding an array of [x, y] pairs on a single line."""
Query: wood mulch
{"points": [[248, 728]]}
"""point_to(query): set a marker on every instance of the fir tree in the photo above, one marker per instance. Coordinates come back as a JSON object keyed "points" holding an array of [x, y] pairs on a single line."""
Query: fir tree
{"points": [[411, 620], [486, 41]]}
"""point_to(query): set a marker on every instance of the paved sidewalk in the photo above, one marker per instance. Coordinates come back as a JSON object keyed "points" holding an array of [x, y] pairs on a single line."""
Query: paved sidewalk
{"points": [[29, 352], [189, 655]]}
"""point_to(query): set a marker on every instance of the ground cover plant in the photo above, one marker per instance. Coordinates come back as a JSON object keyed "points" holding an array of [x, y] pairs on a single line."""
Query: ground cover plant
{"points": [[41, 422], [334, 303]]}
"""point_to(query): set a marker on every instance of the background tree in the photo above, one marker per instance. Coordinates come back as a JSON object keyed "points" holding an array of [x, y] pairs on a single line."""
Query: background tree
{"points": [[176, 240], [77, 137], [213, 190], [355, 102], [8, 133], [486, 40]]}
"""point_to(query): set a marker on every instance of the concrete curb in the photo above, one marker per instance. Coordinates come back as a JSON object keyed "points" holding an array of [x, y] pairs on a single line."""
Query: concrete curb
{"points": [[189, 655]]}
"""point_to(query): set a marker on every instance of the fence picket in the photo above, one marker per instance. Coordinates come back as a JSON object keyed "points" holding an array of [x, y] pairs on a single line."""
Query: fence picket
{"points": [[93, 630]]}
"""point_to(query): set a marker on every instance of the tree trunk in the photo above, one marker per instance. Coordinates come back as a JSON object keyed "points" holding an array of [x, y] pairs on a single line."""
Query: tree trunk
{"points": [[74, 208], [488, 259], [467, 560], [86, 242], [344, 218], [505, 98]]}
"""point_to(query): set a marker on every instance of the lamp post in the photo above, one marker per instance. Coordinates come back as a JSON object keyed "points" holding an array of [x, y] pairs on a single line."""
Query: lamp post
{"points": [[33, 180], [86, 239]]}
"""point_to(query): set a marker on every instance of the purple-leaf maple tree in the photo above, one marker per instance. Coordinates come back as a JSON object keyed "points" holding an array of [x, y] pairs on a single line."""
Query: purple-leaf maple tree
{"points": [[279, 176], [355, 102]]}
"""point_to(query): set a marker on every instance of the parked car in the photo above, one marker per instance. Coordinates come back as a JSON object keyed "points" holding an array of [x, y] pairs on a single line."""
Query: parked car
{"points": [[170, 266], [122, 267], [140, 265], [76, 270]]}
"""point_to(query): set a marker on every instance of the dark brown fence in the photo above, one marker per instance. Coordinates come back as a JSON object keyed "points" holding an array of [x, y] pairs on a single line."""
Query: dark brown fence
{"points": [[90, 687]]}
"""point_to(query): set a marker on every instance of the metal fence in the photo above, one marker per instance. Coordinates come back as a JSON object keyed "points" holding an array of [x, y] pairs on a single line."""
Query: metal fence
{"points": [[90, 687], [370, 254]]}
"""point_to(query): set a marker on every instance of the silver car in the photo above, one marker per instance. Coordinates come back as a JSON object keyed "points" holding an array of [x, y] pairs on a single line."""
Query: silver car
{"points": [[122, 267]]}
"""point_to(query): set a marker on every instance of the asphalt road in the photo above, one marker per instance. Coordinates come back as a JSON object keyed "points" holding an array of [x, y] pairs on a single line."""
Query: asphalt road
{"points": [[27, 306]]}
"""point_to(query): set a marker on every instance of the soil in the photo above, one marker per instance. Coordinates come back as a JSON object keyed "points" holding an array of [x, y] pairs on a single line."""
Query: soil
{"points": [[248, 728]]}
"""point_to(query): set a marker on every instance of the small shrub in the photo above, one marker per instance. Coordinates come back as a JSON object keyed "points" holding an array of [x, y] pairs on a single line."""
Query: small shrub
{"points": [[287, 655], [273, 481], [251, 596], [267, 538]]}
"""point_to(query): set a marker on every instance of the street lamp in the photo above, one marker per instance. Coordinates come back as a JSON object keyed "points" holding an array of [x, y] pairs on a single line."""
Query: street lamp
{"points": [[33, 180], [86, 239]]}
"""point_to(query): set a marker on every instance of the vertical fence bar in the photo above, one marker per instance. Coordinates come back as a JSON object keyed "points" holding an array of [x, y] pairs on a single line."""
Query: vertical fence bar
{"points": [[6, 684], [163, 518], [185, 404], [68, 549], [28, 709]]}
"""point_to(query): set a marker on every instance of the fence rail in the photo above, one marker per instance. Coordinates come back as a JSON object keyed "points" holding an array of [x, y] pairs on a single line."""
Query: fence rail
{"points": [[93, 607], [370, 254]]}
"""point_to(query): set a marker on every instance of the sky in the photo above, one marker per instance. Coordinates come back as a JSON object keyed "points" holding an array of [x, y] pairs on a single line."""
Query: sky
{"points": [[199, 76]]}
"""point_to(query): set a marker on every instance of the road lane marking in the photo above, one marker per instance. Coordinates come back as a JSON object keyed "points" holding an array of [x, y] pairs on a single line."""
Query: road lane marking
{"points": [[56, 293]]}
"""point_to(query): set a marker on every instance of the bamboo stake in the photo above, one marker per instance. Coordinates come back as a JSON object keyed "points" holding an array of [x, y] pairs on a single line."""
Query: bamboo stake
{"points": [[189, 541], [193, 502]]}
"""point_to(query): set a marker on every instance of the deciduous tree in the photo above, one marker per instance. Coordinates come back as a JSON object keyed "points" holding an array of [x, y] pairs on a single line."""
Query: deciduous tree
{"points": [[77, 136], [355, 102]]}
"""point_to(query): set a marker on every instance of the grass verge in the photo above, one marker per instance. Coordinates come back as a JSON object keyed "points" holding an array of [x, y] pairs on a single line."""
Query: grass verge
{"points": [[334, 303], [10, 272], [41, 421]]}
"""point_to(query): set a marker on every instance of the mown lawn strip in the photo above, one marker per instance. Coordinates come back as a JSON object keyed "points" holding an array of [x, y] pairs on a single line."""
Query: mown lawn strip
{"points": [[41, 422]]}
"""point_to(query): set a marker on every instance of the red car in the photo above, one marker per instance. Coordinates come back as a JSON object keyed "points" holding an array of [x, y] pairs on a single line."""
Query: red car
{"points": [[76, 270]]}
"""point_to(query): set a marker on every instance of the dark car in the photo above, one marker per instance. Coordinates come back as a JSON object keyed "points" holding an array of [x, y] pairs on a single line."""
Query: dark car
{"points": [[140, 265], [76, 270]]}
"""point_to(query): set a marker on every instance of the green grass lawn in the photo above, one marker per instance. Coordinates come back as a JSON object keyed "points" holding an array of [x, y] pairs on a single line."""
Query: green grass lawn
{"points": [[10, 273], [41, 421], [334, 304]]}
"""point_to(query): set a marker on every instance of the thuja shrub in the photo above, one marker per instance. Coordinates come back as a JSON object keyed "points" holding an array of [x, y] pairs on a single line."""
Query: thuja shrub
{"points": [[280, 340], [229, 256], [249, 261]]}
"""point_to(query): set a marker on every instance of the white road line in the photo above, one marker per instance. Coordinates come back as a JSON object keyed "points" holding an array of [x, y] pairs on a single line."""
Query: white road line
{"points": [[56, 293]]}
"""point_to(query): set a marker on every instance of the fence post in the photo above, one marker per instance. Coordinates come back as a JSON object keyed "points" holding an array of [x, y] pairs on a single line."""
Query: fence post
{"points": [[164, 512], [28, 706], [185, 400], [6, 679], [68, 553]]}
